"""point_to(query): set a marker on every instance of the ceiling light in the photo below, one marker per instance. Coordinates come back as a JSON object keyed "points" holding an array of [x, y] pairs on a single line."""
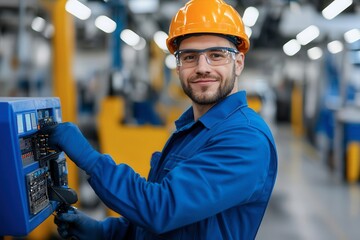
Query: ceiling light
{"points": [[160, 39], [335, 47], [335, 8], [248, 31], [130, 37], [49, 31], [250, 17], [78, 9], [170, 61], [143, 6], [308, 35], [140, 45], [105, 24], [314, 53], [291, 47], [352, 36], [38, 24]]}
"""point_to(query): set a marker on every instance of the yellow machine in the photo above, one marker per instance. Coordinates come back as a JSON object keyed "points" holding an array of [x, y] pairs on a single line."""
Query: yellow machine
{"points": [[132, 145]]}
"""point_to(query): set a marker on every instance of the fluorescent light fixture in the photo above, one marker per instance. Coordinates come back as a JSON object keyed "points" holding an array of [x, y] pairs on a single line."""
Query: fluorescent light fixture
{"points": [[335, 8], [248, 31], [143, 6], [49, 31], [314, 53], [38, 24], [130, 37], [335, 47], [170, 61], [352, 35], [308, 34], [105, 24], [78, 9], [160, 39], [291, 47], [140, 45], [250, 17]]}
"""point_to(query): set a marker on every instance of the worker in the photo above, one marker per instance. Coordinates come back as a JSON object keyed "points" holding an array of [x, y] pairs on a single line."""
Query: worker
{"points": [[214, 177]]}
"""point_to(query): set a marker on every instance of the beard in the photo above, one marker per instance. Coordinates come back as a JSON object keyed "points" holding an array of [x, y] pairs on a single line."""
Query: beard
{"points": [[203, 98]]}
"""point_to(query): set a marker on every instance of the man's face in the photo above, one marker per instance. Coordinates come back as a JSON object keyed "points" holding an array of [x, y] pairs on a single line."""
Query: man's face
{"points": [[206, 84]]}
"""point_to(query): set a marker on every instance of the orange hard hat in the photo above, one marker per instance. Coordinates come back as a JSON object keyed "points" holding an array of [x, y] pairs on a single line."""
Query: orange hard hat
{"points": [[207, 16]]}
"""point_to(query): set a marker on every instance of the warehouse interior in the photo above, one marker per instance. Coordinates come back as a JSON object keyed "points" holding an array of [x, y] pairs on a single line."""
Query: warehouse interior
{"points": [[107, 62]]}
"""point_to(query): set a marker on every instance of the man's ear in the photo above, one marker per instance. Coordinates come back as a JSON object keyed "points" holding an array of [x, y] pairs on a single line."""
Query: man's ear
{"points": [[239, 63]]}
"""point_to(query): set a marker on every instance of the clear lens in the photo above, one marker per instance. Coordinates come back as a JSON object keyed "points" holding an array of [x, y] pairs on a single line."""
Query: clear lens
{"points": [[215, 56]]}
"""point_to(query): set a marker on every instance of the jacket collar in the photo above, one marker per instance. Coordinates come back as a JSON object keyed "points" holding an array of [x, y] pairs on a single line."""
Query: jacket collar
{"points": [[217, 113]]}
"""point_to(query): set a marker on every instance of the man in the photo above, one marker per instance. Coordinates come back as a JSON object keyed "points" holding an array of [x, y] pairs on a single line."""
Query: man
{"points": [[215, 175]]}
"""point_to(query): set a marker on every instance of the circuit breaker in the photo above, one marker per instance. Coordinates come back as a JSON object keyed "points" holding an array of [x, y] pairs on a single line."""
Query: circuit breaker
{"points": [[33, 176]]}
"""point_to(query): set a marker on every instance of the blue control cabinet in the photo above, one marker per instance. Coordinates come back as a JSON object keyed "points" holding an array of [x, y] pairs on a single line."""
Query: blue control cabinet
{"points": [[29, 168]]}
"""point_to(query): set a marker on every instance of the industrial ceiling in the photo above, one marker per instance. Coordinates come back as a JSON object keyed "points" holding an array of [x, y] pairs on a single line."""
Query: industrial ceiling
{"points": [[276, 24]]}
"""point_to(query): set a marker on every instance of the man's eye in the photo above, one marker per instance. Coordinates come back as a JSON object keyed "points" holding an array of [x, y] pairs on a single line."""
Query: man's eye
{"points": [[189, 57], [217, 55]]}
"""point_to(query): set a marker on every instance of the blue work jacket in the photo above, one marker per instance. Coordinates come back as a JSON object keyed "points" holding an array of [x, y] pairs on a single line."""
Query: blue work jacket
{"points": [[212, 180]]}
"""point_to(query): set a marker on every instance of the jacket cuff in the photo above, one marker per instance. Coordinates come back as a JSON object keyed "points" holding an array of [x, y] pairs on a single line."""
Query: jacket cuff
{"points": [[115, 228]]}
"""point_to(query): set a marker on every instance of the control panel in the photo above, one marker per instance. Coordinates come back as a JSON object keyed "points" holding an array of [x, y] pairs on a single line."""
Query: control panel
{"points": [[33, 176]]}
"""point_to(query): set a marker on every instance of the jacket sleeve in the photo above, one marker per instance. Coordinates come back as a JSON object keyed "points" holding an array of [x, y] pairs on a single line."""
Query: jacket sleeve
{"points": [[227, 172]]}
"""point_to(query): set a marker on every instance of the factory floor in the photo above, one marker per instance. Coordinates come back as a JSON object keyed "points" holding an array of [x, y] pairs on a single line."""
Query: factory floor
{"points": [[309, 202]]}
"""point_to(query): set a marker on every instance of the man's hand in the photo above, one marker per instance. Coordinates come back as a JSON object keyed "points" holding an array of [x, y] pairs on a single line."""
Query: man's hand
{"points": [[68, 138], [74, 224]]}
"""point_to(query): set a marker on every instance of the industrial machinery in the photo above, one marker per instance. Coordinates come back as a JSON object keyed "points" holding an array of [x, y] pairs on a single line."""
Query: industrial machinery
{"points": [[33, 176]]}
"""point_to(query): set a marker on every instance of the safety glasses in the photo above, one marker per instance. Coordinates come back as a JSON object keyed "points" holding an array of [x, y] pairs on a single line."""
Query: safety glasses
{"points": [[215, 56]]}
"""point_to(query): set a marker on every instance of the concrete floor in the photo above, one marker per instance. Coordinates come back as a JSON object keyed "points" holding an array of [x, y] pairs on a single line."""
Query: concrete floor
{"points": [[308, 203]]}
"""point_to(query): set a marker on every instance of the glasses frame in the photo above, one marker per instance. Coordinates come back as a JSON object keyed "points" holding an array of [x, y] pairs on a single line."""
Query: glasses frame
{"points": [[200, 52]]}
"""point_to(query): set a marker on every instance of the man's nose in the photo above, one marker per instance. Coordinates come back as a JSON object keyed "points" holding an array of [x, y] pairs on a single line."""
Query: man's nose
{"points": [[203, 65]]}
